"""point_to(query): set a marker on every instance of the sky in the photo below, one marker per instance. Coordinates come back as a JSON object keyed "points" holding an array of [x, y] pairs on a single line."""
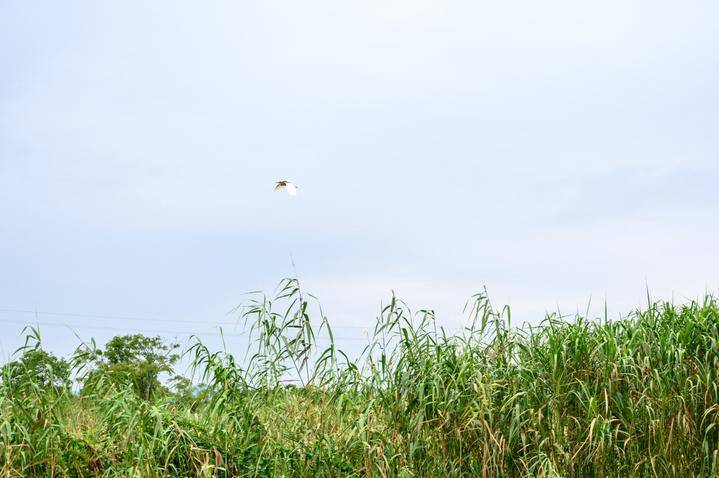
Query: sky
{"points": [[561, 154]]}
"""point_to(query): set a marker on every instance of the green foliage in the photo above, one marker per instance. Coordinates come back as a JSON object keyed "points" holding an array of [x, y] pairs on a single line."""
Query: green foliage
{"points": [[37, 366], [633, 397], [33, 398], [134, 360]]}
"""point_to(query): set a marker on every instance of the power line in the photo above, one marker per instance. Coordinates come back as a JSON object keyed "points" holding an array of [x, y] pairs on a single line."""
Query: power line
{"points": [[111, 317], [368, 329], [145, 319], [149, 331], [117, 329]]}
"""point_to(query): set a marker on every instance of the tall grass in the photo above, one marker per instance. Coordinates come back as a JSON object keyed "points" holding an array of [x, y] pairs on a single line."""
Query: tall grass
{"points": [[638, 396]]}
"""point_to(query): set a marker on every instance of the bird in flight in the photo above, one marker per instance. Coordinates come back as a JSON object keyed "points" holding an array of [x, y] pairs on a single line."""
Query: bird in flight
{"points": [[291, 188]]}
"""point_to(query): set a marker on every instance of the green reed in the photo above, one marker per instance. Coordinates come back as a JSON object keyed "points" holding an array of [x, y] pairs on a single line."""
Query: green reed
{"points": [[571, 397]]}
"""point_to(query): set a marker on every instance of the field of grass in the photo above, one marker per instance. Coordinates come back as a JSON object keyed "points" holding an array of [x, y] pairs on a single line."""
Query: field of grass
{"points": [[636, 396]]}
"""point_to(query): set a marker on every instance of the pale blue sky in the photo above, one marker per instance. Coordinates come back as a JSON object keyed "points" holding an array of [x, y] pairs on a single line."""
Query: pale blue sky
{"points": [[552, 151]]}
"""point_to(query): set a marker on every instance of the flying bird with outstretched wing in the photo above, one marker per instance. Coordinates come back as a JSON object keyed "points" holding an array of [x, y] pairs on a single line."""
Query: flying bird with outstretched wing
{"points": [[291, 188]]}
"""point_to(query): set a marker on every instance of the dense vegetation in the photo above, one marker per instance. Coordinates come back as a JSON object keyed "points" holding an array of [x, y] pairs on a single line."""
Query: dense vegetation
{"points": [[637, 396]]}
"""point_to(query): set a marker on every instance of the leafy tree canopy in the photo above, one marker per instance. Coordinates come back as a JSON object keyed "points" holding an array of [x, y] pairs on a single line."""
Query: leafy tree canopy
{"points": [[136, 360], [38, 367]]}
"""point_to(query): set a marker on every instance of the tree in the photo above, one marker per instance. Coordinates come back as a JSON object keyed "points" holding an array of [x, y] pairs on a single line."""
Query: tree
{"points": [[135, 360], [39, 367]]}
